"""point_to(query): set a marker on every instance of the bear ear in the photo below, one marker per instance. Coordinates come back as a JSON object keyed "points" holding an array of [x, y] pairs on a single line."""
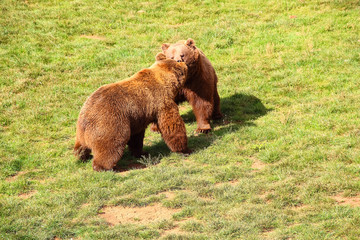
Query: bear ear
{"points": [[190, 43], [165, 46], [160, 56]]}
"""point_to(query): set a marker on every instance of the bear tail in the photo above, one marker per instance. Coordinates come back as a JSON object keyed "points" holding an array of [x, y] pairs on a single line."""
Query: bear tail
{"points": [[82, 152]]}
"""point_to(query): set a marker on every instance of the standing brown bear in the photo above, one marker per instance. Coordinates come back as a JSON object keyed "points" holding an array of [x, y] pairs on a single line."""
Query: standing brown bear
{"points": [[200, 88], [117, 114]]}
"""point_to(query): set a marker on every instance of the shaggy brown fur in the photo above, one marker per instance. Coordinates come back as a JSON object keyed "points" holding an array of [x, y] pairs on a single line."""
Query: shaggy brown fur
{"points": [[117, 114], [200, 89]]}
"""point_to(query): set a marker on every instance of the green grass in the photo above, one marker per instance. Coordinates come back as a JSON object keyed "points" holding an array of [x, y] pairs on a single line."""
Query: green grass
{"points": [[289, 88]]}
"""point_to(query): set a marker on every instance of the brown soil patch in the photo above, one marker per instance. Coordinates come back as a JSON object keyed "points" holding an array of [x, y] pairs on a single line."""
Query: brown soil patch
{"points": [[143, 215], [257, 164], [27, 195], [349, 201], [14, 177], [93, 37]]}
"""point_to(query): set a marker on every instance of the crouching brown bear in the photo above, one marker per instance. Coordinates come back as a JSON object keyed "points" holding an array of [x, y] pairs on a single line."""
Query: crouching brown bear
{"points": [[200, 88], [117, 114]]}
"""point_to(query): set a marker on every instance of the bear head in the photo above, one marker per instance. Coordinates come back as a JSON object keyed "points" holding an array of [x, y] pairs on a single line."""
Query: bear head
{"points": [[182, 51], [170, 65]]}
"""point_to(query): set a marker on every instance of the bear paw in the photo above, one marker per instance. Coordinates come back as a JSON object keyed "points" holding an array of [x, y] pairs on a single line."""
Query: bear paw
{"points": [[203, 130], [186, 152], [98, 168]]}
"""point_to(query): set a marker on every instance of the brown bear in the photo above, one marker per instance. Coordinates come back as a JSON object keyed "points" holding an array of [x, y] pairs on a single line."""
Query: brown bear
{"points": [[200, 88], [117, 114]]}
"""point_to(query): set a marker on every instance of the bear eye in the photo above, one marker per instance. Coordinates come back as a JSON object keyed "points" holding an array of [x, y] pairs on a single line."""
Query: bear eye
{"points": [[182, 55], [172, 57]]}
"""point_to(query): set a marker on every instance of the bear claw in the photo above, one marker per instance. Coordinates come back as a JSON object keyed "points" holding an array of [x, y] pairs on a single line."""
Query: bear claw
{"points": [[206, 131]]}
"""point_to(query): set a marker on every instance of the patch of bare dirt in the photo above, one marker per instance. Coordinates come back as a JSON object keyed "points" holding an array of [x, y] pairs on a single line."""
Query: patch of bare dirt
{"points": [[14, 177], [143, 215], [347, 201], [257, 164], [93, 37], [27, 195]]}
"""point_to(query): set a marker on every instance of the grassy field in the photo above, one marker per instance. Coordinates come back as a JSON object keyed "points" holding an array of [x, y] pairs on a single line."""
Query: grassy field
{"points": [[284, 163]]}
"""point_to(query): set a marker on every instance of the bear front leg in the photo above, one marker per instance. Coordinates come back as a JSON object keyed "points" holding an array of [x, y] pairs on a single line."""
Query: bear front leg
{"points": [[173, 130], [136, 144]]}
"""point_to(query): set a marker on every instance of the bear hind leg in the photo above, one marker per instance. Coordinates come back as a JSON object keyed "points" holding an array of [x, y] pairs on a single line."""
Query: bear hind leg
{"points": [[202, 107], [216, 111], [106, 159], [136, 144], [202, 110]]}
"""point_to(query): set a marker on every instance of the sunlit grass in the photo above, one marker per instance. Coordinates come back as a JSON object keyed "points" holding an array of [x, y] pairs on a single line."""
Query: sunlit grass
{"points": [[288, 81]]}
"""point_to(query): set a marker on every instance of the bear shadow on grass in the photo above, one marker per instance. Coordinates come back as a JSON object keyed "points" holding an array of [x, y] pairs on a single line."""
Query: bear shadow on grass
{"points": [[239, 111]]}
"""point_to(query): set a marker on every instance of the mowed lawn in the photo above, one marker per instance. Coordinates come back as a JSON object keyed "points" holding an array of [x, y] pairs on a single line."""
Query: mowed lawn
{"points": [[284, 163]]}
